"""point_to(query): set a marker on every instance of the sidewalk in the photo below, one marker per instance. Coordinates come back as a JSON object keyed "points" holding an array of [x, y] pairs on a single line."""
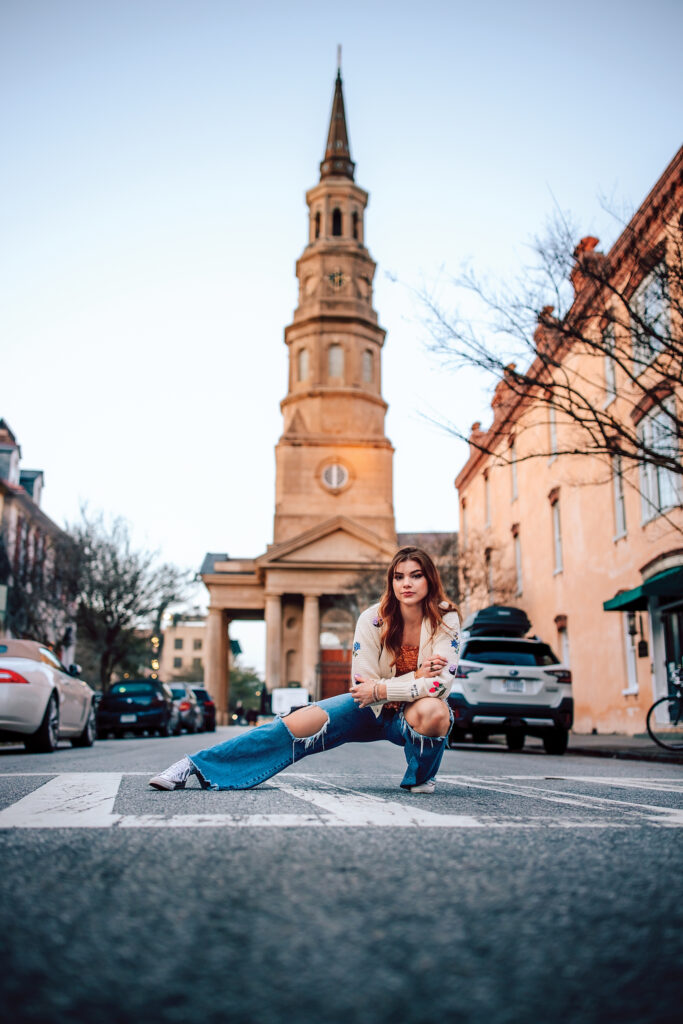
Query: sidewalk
{"points": [[626, 748]]}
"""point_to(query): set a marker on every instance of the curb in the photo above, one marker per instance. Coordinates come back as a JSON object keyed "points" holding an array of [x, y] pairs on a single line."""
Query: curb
{"points": [[659, 756]]}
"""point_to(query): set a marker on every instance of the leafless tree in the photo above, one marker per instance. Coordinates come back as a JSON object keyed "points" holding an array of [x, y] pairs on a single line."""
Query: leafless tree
{"points": [[593, 340], [485, 578]]}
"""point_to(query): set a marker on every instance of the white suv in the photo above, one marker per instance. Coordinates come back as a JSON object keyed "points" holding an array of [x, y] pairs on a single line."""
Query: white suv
{"points": [[511, 686]]}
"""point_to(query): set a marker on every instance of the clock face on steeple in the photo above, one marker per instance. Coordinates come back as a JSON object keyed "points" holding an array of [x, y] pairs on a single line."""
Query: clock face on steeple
{"points": [[337, 279]]}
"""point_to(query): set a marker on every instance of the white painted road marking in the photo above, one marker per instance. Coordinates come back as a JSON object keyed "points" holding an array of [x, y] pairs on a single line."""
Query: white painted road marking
{"points": [[86, 800], [77, 800]]}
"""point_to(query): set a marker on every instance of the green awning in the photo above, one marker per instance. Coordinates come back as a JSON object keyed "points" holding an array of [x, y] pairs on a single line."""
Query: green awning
{"points": [[665, 584]]}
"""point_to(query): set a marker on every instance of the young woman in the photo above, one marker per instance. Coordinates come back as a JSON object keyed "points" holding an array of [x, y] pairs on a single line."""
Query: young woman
{"points": [[405, 654]]}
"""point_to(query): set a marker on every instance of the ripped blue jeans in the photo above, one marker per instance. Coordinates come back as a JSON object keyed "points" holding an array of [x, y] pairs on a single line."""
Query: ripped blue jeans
{"points": [[257, 755]]}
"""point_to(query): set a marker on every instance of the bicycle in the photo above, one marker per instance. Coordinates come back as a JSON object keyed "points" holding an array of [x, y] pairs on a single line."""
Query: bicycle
{"points": [[662, 731]]}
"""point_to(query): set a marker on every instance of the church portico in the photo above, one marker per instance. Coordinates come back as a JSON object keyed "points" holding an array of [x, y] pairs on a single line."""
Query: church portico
{"points": [[334, 514]]}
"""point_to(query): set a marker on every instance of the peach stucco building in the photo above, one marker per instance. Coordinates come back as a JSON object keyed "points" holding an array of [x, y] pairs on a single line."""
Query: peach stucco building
{"points": [[594, 545]]}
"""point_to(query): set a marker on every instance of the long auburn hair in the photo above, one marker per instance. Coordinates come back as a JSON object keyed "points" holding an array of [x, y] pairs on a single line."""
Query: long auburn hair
{"points": [[435, 605]]}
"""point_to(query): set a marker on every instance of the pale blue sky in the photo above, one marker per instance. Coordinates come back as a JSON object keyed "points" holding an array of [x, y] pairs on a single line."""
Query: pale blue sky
{"points": [[155, 158]]}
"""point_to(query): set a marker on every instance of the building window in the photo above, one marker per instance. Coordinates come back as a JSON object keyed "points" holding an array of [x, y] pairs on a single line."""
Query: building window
{"points": [[196, 645], [487, 499], [513, 468], [518, 559], [489, 575], [335, 361], [554, 498], [196, 663], [367, 366], [619, 503], [178, 643], [610, 365], [336, 221], [463, 522], [302, 364], [660, 487], [552, 429], [177, 662], [317, 224], [650, 306], [355, 224]]}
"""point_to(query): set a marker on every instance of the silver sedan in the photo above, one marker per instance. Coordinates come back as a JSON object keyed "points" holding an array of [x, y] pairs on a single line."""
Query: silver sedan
{"points": [[41, 702]]}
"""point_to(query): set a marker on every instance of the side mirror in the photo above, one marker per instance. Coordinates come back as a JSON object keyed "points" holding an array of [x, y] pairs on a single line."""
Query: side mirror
{"points": [[74, 670]]}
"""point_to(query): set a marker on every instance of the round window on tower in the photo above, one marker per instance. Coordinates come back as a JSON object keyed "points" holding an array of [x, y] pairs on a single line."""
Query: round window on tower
{"points": [[335, 476]]}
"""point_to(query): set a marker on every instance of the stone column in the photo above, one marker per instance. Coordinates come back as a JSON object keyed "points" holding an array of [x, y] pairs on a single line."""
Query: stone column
{"points": [[216, 662], [273, 641], [310, 654]]}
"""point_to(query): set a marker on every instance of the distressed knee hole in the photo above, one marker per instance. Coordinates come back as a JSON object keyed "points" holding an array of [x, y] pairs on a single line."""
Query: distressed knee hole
{"points": [[306, 722], [428, 716]]}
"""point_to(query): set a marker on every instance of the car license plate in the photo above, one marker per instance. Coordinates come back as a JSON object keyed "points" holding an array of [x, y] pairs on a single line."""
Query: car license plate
{"points": [[128, 718], [513, 685]]}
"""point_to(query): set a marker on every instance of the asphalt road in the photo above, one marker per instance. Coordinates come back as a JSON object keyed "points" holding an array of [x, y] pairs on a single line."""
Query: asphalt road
{"points": [[528, 888]]}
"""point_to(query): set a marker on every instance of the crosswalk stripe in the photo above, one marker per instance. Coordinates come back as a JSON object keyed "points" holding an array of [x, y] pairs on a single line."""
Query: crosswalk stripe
{"points": [[86, 800], [77, 800]]}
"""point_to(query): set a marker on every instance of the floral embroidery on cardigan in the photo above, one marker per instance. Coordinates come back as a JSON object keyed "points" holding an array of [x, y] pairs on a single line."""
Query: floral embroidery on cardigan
{"points": [[377, 621], [455, 644], [356, 648]]}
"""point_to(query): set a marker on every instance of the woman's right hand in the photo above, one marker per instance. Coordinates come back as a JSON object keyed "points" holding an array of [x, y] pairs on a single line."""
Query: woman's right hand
{"points": [[432, 666]]}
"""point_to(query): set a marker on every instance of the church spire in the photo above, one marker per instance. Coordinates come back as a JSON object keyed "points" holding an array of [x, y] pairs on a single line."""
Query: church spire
{"points": [[337, 162]]}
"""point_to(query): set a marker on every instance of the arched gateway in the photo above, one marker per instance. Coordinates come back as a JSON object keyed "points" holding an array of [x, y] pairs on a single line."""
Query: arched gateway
{"points": [[334, 515]]}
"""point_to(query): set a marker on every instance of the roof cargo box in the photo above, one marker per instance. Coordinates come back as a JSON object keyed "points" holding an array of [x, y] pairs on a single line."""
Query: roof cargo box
{"points": [[498, 620]]}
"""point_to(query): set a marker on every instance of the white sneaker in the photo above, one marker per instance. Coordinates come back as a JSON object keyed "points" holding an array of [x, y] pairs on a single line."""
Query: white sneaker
{"points": [[424, 787], [174, 777]]}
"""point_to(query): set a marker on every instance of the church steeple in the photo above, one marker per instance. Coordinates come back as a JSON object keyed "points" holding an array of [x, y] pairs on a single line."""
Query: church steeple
{"points": [[337, 162], [334, 457]]}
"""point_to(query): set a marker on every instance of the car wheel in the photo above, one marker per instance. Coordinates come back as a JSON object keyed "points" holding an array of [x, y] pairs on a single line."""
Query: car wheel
{"points": [[515, 739], [480, 736], [87, 737], [168, 730], [46, 737], [555, 742]]}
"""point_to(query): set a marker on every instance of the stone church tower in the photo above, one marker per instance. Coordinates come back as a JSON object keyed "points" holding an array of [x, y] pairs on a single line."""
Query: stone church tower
{"points": [[334, 516], [333, 454]]}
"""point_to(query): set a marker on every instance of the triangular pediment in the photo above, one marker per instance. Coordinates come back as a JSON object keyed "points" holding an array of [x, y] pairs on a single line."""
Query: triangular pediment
{"points": [[338, 541]]}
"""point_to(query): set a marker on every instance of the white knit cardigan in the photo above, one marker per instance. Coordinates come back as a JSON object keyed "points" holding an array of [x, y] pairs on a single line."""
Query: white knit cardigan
{"points": [[372, 660]]}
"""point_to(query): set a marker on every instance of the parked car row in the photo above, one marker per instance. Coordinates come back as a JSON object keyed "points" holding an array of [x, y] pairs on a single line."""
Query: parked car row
{"points": [[154, 707], [42, 702]]}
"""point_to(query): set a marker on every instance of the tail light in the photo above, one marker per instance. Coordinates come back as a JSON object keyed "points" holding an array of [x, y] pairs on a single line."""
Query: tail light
{"points": [[184, 705], [466, 670], [208, 703], [563, 675], [8, 676]]}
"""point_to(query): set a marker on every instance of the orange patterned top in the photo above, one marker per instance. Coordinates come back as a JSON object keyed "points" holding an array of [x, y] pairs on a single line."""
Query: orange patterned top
{"points": [[405, 662], [407, 659]]}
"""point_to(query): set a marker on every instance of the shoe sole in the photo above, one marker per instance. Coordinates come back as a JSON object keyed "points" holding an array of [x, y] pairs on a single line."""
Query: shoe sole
{"points": [[158, 783]]}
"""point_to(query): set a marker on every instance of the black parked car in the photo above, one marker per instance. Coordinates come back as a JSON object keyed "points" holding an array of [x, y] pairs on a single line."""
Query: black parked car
{"points": [[206, 701], [137, 705], [190, 714]]}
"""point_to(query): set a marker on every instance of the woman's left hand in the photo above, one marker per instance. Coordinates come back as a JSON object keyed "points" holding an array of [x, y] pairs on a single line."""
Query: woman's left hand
{"points": [[363, 692]]}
